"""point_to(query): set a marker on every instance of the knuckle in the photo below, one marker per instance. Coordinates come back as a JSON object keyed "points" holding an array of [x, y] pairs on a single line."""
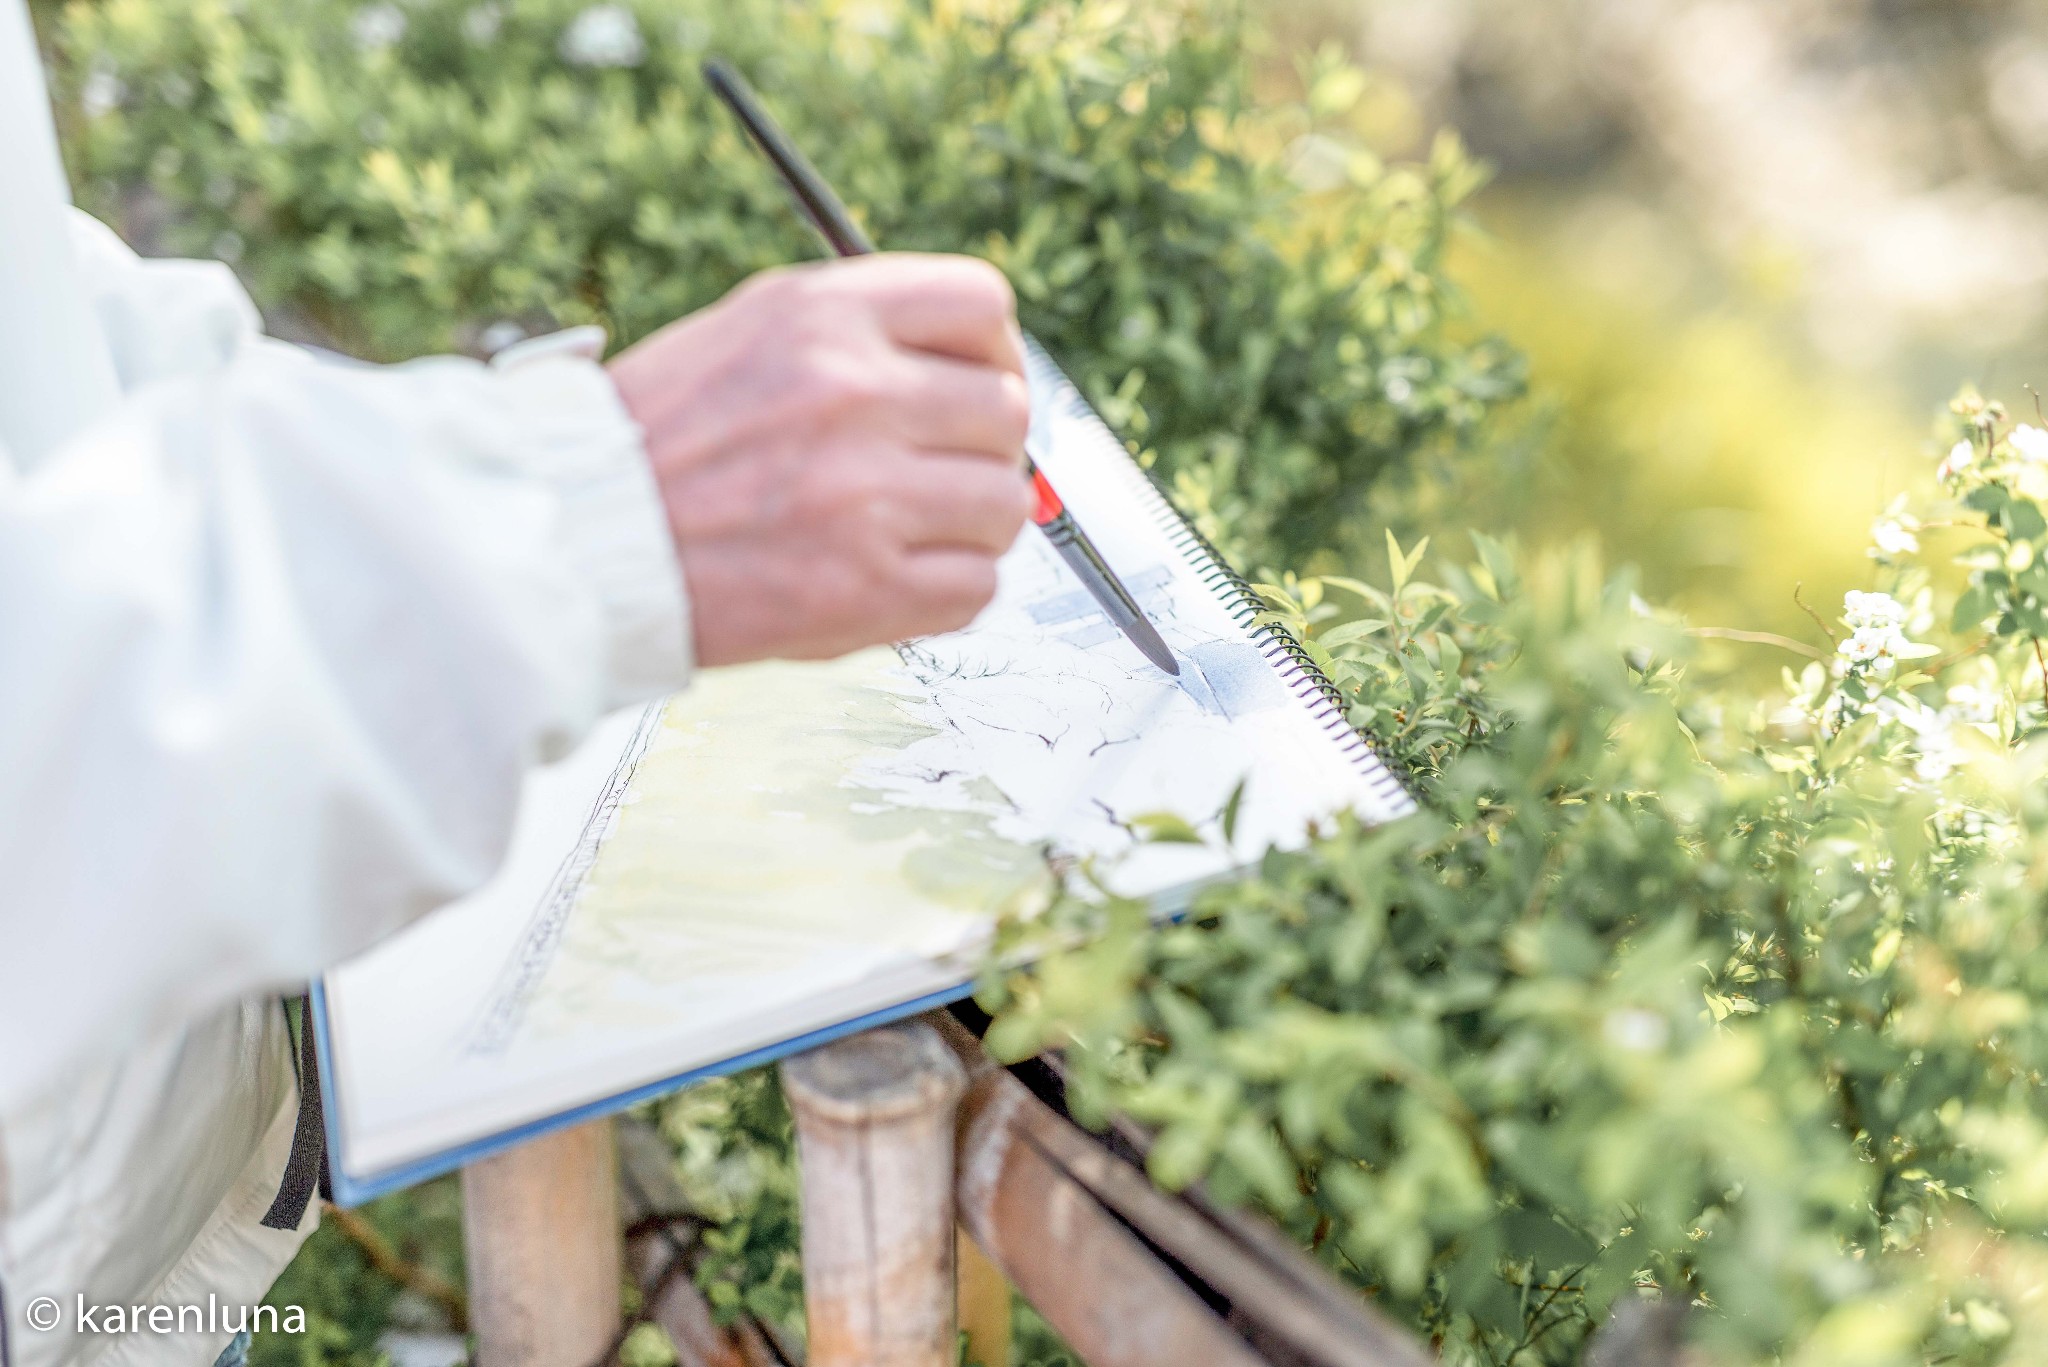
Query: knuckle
{"points": [[812, 336], [1001, 496], [839, 381], [857, 501], [777, 287], [981, 583], [972, 589], [1022, 501], [878, 522], [969, 581], [865, 583], [987, 288], [1014, 409]]}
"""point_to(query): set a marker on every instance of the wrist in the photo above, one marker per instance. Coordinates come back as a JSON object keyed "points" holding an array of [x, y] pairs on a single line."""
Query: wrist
{"points": [[614, 530]]}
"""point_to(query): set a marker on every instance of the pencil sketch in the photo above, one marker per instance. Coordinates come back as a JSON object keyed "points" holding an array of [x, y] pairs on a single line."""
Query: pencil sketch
{"points": [[982, 763], [947, 783]]}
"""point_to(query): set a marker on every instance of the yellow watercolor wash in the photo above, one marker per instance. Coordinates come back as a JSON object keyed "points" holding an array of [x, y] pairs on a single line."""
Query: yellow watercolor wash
{"points": [[747, 842]]}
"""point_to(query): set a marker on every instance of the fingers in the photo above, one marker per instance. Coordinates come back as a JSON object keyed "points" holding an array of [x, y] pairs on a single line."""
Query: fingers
{"points": [[838, 449], [951, 305], [950, 405], [962, 502], [944, 588]]}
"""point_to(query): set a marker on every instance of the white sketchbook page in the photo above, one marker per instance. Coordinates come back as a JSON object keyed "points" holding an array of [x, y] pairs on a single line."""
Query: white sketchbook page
{"points": [[800, 845]]}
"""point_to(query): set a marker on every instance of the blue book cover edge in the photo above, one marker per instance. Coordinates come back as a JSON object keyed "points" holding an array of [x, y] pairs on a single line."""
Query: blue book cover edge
{"points": [[352, 1190]]}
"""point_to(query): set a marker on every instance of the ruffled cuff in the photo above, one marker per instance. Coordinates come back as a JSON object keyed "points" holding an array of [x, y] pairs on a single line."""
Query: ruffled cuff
{"points": [[614, 527]]}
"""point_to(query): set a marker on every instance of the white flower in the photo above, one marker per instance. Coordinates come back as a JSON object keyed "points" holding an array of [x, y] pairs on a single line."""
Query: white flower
{"points": [[1861, 609], [1877, 634], [1934, 739], [1893, 536], [102, 93], [2030, 444], [1960, 457], [1936, 765], [481, 24], [1876, 647], [1972, 706], [1880, 648], [604, 35], [1635, 1029], [377, 27], [1926, 722]]}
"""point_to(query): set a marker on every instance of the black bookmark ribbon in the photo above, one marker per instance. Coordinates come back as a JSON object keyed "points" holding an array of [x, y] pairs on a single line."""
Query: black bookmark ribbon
{"points": [[305, 1172]]}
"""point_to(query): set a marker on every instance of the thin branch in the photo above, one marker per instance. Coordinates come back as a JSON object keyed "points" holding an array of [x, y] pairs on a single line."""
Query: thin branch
{"points": [[1761, 638], [419, 1280], [1825, 630], [1934, 670]]}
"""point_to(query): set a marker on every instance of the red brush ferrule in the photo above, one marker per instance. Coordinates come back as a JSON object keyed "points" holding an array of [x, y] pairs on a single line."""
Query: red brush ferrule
{"points": [[1048, 508]]}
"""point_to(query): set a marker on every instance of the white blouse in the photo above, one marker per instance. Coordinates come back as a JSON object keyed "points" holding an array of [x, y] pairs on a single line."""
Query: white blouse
{"points": [[277, 639]]}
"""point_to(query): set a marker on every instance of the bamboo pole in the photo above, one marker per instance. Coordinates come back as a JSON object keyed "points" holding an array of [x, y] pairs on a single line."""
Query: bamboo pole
{"points": [[1092, 1279], [541, 1225], [1129, 1275], [874, 1120]]}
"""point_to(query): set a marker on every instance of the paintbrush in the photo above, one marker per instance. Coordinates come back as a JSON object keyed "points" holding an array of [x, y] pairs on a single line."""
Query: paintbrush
{"points": [[829, 216]]}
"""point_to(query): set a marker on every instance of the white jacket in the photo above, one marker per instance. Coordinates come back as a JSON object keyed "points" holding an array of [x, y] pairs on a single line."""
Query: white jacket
{"points": [[277, 638]]}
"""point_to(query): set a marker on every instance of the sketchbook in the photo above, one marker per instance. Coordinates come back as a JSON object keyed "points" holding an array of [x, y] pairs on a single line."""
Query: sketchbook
{"points": [[785, 853]]}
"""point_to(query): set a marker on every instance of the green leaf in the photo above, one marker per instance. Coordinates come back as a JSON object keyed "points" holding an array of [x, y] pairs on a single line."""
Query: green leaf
{"points": [[1973, 605], [1347, 632], [2023, 519], [1357, 586], [1230, 811], [1165, 828], [1400, 565], [1498, 563]]}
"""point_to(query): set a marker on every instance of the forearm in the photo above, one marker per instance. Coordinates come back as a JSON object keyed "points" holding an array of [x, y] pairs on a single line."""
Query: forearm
{"points": [[279, 639]]}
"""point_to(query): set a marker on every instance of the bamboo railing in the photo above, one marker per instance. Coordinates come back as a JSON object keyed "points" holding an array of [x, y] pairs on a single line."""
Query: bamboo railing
{"points": [[933, 1182]]}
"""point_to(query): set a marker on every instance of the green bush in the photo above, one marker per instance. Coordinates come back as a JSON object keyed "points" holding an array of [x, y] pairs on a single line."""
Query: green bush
{"points": [[407, 177], [1738, 1001], [349, 1301]]}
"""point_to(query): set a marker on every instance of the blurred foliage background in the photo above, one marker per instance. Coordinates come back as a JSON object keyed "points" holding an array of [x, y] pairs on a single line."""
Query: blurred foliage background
{"points": [[1749, 246]]}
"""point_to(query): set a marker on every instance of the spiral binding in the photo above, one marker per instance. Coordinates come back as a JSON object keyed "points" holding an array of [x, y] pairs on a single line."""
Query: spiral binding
{"points": [[1390, 781]]}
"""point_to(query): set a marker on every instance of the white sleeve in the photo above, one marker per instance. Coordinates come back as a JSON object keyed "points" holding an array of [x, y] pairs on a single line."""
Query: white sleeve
{"points": [[278, 637]]}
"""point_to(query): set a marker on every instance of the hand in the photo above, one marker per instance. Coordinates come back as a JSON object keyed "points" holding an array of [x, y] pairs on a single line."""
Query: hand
{"points": [[840, 451]]}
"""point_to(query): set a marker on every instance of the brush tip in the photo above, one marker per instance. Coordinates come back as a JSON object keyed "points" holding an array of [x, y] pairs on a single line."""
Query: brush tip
{"points": [[1147, 639], [1155, 649]]}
